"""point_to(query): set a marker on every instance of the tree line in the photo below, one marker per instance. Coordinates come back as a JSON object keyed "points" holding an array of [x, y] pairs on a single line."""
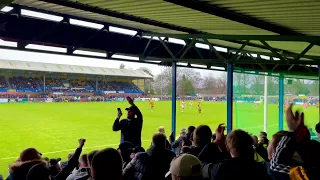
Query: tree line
{"points": [[190, 81]]}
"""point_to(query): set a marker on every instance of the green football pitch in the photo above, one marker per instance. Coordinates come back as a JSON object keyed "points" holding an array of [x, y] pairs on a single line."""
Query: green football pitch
{"points": [[54, 128]]}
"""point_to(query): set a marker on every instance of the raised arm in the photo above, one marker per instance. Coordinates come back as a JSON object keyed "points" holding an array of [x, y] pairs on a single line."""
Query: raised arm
{"points": [[136, 109], [138, 112], [117, 125], [72, 163], [281, 159]]}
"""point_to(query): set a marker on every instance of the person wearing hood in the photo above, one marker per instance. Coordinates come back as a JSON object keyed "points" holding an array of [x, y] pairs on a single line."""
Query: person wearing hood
{"points": [[28, 158]]}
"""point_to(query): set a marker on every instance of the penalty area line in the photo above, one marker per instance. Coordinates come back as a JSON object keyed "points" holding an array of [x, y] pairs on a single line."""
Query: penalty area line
{"points": [[68, 150]]}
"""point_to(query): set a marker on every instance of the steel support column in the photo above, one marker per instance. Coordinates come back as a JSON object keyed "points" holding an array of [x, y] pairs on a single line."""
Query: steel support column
{"points": [[229, 97], [44, 83], [281, 101], [173, 98], [97, 84]]}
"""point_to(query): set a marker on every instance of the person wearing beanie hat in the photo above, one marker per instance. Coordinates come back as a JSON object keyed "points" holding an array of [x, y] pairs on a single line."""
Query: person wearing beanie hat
{"points": [[186, 166], [39, 172]]}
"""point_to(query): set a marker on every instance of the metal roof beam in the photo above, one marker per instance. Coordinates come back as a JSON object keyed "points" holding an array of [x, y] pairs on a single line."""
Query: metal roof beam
{"points": [[132, 18], [234, 16], [94, 35], [304, 52], [167, 48], [214, 62], [273, 51], [187, 48], [188, 30], [293, 38]]}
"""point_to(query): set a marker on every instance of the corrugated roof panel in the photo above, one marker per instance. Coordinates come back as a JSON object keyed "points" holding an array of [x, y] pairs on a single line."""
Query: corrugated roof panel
{"points": [[94, 16], [62, 68], [300, 15], [173, 14]]}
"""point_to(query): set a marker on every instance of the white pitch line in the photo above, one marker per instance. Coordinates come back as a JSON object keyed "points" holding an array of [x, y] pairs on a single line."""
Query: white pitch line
{"points": [[68, 150], [258, 126]]}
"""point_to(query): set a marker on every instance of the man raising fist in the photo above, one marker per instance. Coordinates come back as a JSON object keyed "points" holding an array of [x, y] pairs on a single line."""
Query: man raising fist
{"points": [[130, 127]]}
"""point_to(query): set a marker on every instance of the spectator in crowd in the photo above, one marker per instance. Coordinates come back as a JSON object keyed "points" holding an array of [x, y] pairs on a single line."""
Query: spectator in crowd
{"points": [[263, 139], [185, 167], [28, 158], [162, 131], [3, 83], [39, 172], [257, 154], [125, 149], [136, 150], [153, 164], [64, 163], [201, 137], [107, 165], [185, 150], [318, 130], [90, 158], [131, 127], [216, 151], [295, 155], [190, 132], [72, 163], [242, 164], [213, 137], [54, 167], [83, 172], [177, 144]]}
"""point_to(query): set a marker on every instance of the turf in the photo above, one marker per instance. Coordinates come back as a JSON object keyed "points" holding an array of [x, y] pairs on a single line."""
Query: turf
{"points": [[54, 128]]}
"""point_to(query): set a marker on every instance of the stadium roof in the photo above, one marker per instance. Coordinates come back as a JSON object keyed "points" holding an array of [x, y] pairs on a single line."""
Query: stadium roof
{"points": [[71, 69], [269, 36]]}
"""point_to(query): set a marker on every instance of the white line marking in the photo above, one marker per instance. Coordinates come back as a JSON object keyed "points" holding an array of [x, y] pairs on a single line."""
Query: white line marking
{"points": [[68, 150], [271, 125]]}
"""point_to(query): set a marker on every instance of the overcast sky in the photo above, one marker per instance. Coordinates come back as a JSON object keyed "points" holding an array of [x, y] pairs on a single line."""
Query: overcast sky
{"points": [[72, 60]]}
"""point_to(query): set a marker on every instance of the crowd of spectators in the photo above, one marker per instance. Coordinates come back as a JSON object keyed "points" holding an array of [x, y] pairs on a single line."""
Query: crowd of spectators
{"points": [[13, 96], [124, 86], [3, 82], [51, 82], [199, 154], [105, 86], [74, 85], [79, 83], [23, 83]]}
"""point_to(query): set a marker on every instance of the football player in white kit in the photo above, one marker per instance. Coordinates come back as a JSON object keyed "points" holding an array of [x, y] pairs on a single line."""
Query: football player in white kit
{"points": [[191, 103]]}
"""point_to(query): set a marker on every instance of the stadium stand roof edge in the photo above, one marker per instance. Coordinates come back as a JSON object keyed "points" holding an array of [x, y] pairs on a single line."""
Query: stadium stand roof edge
{"points": [[76, 69]]}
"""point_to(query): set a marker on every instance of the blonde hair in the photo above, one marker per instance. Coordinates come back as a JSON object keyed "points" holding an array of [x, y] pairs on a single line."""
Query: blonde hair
{"points": [[161, 129]]}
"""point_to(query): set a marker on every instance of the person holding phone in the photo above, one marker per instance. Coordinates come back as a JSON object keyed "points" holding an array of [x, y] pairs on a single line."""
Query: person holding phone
{"points": [[130, 127]]}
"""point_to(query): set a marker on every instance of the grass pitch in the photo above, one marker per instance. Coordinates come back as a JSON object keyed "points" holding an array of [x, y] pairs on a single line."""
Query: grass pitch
{"points": [[54, 128]]}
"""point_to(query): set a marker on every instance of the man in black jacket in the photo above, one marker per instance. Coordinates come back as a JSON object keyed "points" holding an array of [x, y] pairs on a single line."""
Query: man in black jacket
{"points": [[132, 126], [242, 164]]}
